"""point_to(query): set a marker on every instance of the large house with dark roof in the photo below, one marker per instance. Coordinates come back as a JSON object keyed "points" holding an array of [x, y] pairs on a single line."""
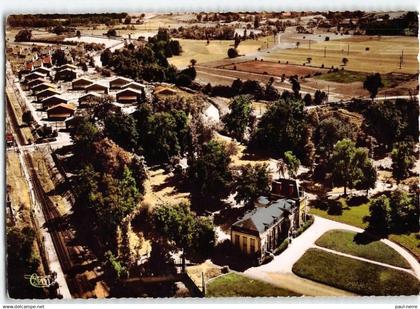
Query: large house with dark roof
{"points": [[260, 231]]}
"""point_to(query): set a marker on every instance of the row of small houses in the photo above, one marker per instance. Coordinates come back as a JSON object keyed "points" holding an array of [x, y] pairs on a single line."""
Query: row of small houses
{"points": [[60, 109]]}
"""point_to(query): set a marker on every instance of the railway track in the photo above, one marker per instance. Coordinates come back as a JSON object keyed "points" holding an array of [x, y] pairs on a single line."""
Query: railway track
{"points": [[51, 215]]}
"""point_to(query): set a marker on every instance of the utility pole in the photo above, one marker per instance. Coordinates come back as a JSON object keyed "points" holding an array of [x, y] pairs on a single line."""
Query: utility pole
{"points": [[348, 49], [325, 52], [401, 58], [309, 41]]}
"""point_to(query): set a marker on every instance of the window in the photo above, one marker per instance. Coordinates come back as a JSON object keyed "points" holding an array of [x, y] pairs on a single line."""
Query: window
{"points": [[237, 240], [244, 243], [252, 245]]}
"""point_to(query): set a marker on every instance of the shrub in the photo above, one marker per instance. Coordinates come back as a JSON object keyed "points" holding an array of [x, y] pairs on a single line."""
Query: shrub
{"points": [[232, 52], [283, 246]]}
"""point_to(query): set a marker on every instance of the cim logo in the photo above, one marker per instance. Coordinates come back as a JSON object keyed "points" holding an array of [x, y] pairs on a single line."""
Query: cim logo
{"points": [[40, 281]]}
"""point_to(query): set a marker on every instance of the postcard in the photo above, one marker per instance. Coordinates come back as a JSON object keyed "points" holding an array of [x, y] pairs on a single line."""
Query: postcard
{"points": [[212, 154]]}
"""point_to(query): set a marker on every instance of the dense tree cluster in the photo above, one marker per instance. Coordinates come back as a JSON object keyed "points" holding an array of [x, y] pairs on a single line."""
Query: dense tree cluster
{"points": [[21, 261], [251, 182], [52, 20], [406, 24], [209, 172], [23, 36], [158, 135], [284, 126], [110, 181], [190, 233], [391, 121], [239, 118], [204, 33], [149, 62], [403, 159], [351, 166], [397, 213], [331, 128]]}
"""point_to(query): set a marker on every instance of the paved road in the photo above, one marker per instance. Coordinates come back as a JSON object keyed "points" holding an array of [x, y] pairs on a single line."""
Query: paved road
{"points": [[281, 266]]}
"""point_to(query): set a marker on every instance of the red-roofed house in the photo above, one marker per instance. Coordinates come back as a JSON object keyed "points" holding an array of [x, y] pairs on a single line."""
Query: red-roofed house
{"points": [[61, 111], [129, 96]]}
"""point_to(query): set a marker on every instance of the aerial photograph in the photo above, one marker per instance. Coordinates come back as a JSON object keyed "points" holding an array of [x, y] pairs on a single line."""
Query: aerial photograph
{"points": [[211, 154]]}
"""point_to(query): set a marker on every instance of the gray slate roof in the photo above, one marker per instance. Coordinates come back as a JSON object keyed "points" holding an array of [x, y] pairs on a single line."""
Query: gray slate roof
{"points": [[261, 218]]}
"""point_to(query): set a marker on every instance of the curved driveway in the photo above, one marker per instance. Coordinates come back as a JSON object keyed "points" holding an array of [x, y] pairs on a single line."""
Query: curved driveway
{"points": [[279, 270]]}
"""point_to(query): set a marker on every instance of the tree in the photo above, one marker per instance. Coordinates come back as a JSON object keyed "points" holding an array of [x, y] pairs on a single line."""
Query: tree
{"points": [[341, 163], [257, 20], [251, 183], [403, 159], [295, 86], [59, 57], [78, 33], [292, 163], [309, 59], [165, 135], [23, 36], [237, 121], [178, 224], [111, 32], [209, 172], [138, 170], [193, 62], [364, 173], [345, 61], [85, 133], [351, 166], [404, 213], [59, 30], [122, 129], [106, 57], [319, 97], [127, 20], [21, 260], [392, 121], [297, 44], [330, 130], [372, 84], [27, 117], [308, 99], [114, 268], [283, 127], [232, 53], [379, 218]]}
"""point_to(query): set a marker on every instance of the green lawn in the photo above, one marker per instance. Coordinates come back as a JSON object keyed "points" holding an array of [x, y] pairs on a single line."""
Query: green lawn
{"points": [[343, 241], [354, 216], [343, 76], [234, 285], [353, 275]]}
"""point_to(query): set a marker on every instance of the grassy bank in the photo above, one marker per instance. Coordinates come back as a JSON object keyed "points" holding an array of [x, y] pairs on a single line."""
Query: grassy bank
{"points": [[345, 242], [353, 215], [234, 285], [353, 275]]}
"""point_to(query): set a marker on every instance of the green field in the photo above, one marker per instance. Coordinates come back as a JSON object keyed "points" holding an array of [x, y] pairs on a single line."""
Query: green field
{"points": [[353, 275], [343, 76], [234, 285], [354, 216], [215, 51], [344, 241], [383, 55]]}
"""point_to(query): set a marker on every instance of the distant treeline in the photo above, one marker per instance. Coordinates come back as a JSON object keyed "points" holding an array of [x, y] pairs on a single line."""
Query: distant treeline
{"points": [[51, 20], [405, 25]]}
